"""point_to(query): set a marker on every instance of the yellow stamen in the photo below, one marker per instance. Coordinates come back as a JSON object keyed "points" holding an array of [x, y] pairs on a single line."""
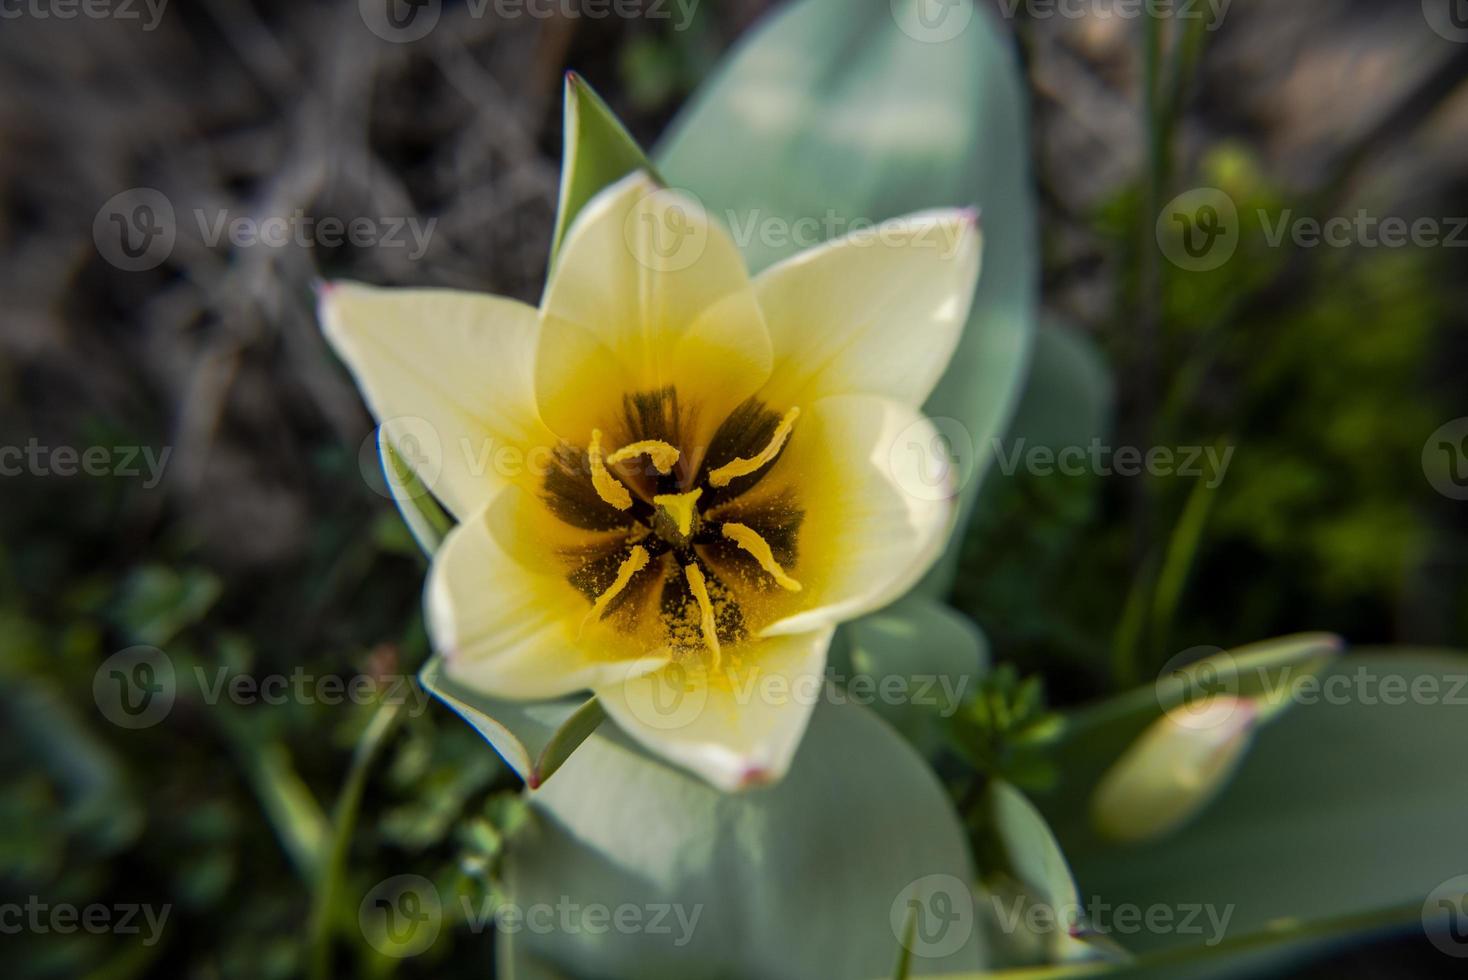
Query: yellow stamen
{"points": [[607, 487], [759, 549], [663, 456], [680, 507], [631, 565], [706, 624], [734, 469]]}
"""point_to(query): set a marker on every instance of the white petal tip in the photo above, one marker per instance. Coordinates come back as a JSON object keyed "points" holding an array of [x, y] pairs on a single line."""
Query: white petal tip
{"points": [[755, 776]]}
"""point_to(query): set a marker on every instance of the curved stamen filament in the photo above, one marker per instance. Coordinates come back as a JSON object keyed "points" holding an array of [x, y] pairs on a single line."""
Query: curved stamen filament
{"points": [[663, 456], [706, 624], [759, 549], [744, 466], [607, 487], [635, 562]]}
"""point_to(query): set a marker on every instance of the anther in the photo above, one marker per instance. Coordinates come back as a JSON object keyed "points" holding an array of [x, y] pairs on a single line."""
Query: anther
{"points": [[663, 456], [744, 466], [759, 549], [706, 624], [635, 562], [607, 487]]}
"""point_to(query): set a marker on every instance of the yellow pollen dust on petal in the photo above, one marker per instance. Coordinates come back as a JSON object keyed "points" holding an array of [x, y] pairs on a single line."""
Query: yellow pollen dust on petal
{"points": [[680, 507], [635, 562], [706, 624], [759, 549], [744, 466], [607, 487], [663, 456]]}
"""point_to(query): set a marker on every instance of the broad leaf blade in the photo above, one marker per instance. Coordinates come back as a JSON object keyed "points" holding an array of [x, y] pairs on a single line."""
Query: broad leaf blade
{"points": [[913, 663], [829, 116], [1096, 737], [801, 879], [1346, 805]]}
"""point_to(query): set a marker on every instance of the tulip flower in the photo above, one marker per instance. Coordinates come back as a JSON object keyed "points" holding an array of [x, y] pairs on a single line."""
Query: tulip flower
{"points": [[718, 469]]}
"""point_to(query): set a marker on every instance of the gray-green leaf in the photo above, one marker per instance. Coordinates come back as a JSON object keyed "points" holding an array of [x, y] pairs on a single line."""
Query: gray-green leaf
{"points": [[830, 115], [809, 877]]}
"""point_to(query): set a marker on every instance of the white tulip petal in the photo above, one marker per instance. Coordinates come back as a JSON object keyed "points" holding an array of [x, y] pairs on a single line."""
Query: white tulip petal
{"points": [[511, 631], [738, 727], [450, 375], [647, 294], [877, 312]]}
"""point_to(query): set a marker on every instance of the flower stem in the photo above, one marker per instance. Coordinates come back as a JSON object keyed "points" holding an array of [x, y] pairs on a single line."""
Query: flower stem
{"points": [[343, 824]]}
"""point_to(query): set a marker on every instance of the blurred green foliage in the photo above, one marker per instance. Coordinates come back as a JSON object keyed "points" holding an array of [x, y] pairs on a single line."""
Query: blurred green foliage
{"points": [[1316, 370], [217, 812]]}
